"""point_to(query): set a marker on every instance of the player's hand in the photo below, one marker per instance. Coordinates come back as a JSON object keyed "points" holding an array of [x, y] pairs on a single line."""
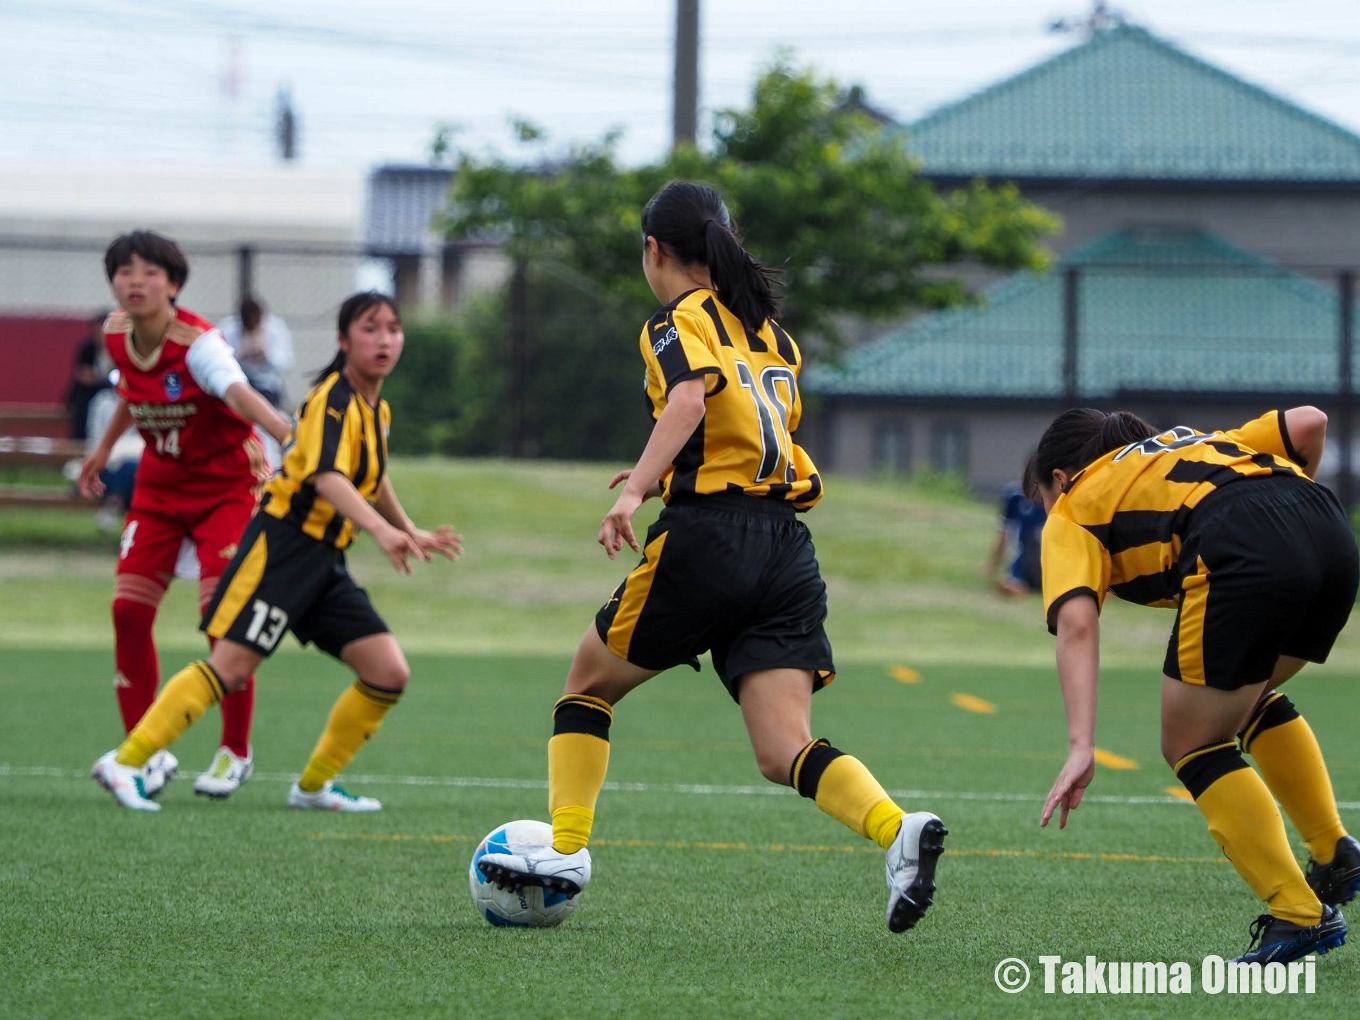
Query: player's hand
{"points": [[88, 483], [399, 546], [623, 476], [1076, 775], [617, 526], [442, 540]]}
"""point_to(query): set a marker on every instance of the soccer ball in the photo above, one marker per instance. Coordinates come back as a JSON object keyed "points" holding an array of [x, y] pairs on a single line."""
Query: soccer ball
{"points": [[532, 906]]}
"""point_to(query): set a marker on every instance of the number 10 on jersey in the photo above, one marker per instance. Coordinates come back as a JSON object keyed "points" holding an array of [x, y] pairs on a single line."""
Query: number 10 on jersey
{"points": [[772, 409]]}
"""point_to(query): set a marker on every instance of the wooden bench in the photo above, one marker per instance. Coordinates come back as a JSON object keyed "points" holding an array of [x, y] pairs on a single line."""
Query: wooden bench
{"points": [[34, 436]]}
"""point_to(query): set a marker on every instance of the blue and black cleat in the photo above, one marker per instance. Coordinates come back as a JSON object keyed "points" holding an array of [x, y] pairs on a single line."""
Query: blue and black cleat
{"points": [[1337, 881], [1274, 940]]}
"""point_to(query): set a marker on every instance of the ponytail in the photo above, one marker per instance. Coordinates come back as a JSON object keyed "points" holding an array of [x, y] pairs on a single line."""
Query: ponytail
{"points": [[692, 223], [742, 283], [1076, 438], [337, 365]]}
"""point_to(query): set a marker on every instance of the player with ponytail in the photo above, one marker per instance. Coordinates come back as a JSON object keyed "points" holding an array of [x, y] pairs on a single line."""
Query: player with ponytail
{"points": [[727, 569], [1261, 566]]}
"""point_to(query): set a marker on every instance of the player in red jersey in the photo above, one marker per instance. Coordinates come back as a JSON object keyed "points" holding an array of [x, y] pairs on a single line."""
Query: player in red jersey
{"points": [[197, 481]]}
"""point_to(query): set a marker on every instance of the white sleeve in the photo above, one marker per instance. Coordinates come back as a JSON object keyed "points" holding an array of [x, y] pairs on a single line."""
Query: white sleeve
{"points": [[212, 363]]}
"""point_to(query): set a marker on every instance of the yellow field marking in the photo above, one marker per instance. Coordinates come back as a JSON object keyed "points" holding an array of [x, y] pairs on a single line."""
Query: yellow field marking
{"points": [[650, 844], [1114, 761], [905, 674], [1181, 792], [971, 704]]}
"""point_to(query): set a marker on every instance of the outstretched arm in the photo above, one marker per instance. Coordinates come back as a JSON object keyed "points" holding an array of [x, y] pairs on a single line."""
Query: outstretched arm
{"points": [[442, 540], [683, 412], [246, 401], [339, 492], [1078, 672]]}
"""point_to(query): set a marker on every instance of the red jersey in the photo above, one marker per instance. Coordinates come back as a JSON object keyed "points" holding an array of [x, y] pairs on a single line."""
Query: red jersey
{"points": [[195, 444]]}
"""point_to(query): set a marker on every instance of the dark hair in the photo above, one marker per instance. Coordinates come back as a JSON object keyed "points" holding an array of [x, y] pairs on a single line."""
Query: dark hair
{"points": [[691, 222], [1076, 438], [354, 306], [251, 313], [153, 248]]}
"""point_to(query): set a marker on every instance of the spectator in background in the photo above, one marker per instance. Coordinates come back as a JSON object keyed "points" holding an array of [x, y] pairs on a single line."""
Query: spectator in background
{"points": [[263, 348], [1021, 525], [89, 375]]}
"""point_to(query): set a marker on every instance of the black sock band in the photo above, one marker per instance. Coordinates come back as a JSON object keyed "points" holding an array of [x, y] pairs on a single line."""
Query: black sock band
{"points": [[1276, 710], [580, 713], [219, 689], [1206, 765], [382, 695], [808, 767]]}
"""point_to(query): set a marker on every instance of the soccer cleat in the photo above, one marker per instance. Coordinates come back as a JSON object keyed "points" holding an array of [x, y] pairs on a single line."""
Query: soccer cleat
{"points": [[225, 775], [123, 781], [911, 868], [330, 798], [159, 769], [1337, 882], [542, 866], [1283, 941]]}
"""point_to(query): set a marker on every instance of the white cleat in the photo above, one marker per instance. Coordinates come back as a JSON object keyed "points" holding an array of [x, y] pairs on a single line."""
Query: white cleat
{"points": [[330, 798], [911, 868], [123, 781], [542, 866], [225, 775], [159, 769]]}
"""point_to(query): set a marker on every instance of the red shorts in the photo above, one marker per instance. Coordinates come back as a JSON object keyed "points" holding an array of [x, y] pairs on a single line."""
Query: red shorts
{"points": [[152, 537]]}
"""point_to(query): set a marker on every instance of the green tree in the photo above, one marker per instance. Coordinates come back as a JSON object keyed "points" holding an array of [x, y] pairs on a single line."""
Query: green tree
{"points": [[830, 197]]}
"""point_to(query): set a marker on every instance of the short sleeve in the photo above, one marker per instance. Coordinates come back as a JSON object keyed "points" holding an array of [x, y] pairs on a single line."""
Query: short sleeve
{"points": [[324, 436], [1074, 563], [1267, 434], [212, 364], [676, 348]]}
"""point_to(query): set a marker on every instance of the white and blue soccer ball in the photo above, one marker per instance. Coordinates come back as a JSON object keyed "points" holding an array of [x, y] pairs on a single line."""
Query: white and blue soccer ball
{"points": [[532, 906]]}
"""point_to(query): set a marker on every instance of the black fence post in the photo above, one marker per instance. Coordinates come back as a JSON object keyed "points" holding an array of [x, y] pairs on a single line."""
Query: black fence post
{"points": [[1071, 340], [245, 272], [519, 355], [1345, 391]]}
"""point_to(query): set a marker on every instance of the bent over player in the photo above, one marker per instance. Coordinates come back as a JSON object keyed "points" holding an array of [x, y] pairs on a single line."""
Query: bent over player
{"points": [[727, 567], [197, 481], [290, 574], [1261, 566]]}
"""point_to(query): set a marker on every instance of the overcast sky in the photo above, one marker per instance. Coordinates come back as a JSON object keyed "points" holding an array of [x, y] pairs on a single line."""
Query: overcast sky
{"points": [[183, 81]]}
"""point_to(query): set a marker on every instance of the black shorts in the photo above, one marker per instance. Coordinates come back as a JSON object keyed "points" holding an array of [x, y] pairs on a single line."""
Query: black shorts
{"points": [[1269, 568], [735, 575], [281, 579]]}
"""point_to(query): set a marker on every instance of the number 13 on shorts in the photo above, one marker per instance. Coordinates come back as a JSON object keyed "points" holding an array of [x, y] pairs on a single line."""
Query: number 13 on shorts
{"points": [[264, 613]]}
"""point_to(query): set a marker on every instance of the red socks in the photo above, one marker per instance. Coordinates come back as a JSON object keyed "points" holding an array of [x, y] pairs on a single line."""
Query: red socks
{"points": [[134, 613]]}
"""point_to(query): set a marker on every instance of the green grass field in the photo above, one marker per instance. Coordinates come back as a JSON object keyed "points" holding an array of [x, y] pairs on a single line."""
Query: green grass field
{"points": [[715, 893]]}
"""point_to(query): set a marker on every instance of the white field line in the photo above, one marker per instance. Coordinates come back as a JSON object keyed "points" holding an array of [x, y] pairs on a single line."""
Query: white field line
{"points": [[707, 790]]}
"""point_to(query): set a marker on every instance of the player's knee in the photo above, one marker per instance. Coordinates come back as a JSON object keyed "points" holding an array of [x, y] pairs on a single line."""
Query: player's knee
{"points": [[233, 678], [391, 676]]}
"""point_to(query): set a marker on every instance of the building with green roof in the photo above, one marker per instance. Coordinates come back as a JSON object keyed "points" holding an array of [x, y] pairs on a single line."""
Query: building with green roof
{"points": [[1207, 226]]}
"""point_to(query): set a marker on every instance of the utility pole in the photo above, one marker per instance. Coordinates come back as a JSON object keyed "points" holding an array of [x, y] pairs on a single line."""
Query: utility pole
{"points": [[686, 121], [285, 125]]}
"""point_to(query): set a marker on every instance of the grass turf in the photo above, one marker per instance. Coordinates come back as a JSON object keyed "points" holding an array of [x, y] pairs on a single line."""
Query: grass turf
{"points": [[715, 894], [728, 902]]}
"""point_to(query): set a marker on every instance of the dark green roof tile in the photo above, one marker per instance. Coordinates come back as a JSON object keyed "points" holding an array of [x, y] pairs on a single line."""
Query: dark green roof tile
{"points": [[1158, 310], [1129, 106]]}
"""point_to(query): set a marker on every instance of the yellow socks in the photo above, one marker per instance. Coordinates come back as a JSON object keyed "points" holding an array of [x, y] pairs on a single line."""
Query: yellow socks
{"points": [[1291, 763], [186, 697], [356, 716], [1245, 822], [847, 791], [578, 759]]}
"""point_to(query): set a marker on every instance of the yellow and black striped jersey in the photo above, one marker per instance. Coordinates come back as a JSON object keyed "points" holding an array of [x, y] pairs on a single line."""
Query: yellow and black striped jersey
{"points": [[1118, 525], [745, 442], [336, 430]]}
